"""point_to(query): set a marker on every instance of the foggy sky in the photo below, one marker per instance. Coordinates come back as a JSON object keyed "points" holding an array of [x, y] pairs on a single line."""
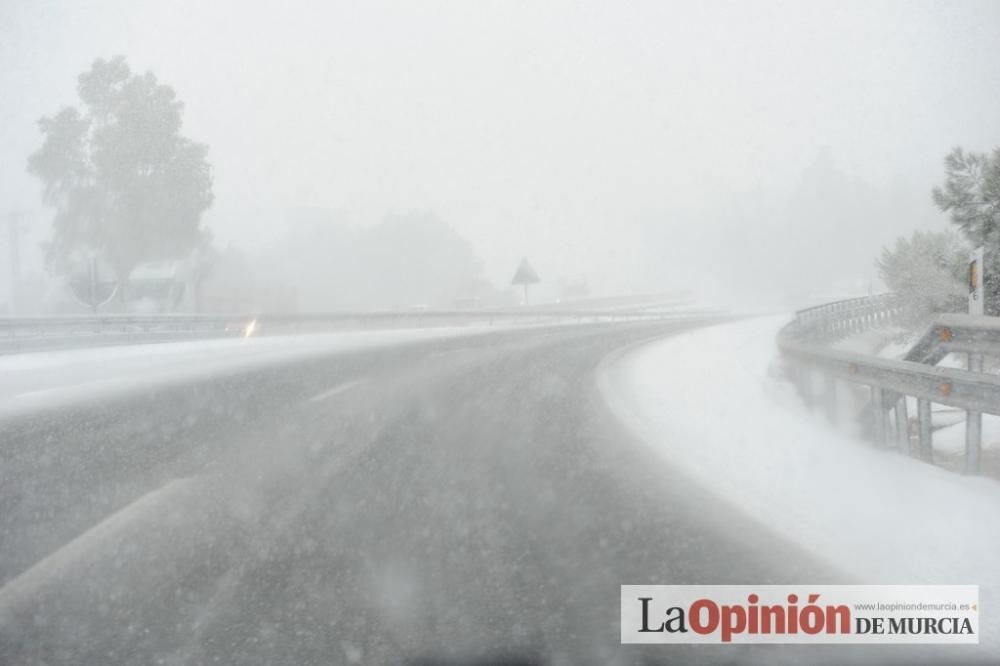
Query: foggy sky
{"points": [[560, 131]]}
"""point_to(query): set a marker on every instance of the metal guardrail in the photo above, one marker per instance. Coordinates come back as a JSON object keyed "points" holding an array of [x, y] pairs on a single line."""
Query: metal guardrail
{"points": [[957, 333], [805, 341], [21, 334], [842, 318]]}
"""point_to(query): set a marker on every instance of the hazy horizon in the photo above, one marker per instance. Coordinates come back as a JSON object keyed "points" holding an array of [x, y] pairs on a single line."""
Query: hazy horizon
{"points": [[610, 144]]}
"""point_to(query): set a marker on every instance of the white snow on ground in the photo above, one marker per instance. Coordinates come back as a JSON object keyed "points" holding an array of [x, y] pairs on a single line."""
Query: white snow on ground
{"points": [[45, 379], [714, 405], [872, 340], [951, 439]]}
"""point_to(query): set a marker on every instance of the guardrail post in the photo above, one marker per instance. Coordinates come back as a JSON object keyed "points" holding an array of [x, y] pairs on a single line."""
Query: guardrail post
{"points": [[973, 441], [878, 399], [926, 438], [902, 425]]}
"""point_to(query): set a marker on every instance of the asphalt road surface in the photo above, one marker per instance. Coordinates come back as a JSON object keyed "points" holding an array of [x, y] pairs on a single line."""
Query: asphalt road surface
{"points": [[460, 501]]}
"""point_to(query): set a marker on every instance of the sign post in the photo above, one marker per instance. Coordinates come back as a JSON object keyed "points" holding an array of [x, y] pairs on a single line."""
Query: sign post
{"points": [[525, 275], [977, 293], [93, 283], [974, 420]]}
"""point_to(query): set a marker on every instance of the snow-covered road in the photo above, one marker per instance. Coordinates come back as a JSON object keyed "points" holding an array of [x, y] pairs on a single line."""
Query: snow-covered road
{"points": [[452, 496], [57, 378]]}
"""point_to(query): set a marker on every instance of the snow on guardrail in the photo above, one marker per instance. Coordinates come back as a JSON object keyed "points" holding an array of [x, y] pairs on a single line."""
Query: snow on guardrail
{"points": [[805, 343]]}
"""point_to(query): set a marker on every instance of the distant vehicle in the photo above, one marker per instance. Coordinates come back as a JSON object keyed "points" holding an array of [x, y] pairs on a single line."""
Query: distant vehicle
{"points": [[158, 286]]}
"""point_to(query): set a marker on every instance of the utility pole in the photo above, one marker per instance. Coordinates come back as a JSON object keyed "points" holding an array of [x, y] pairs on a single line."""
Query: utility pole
{"points": [[15, 220]]}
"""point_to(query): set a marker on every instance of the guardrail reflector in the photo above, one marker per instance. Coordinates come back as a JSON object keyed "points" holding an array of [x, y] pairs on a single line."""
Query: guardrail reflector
{"points": [[945, 388], [945, 334]]}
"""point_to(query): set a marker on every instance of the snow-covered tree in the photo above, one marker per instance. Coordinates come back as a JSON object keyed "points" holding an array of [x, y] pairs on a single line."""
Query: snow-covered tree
{"points": [[971, 194], [928, 271], [125, 184]]}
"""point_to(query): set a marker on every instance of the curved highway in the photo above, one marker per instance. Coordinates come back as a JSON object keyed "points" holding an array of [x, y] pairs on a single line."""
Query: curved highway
{"points": [[459, 501]]}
